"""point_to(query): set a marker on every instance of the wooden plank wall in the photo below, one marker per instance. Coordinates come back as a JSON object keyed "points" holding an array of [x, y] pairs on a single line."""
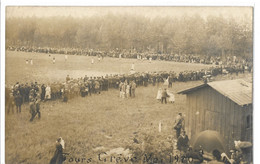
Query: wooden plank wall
{"points": [[215, 112]]}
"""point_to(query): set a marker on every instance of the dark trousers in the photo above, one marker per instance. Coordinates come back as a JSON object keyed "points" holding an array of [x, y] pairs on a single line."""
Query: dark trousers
{"points": [[18, 108], [34, 111], [178, 132], [164, 98]]}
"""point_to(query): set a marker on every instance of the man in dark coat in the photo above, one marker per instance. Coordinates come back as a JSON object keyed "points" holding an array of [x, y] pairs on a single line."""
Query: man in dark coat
{"points": [[183, 142], [58, 157], [43, 87], [18, 101], [179, 124], [32, 104], [164, 96]]}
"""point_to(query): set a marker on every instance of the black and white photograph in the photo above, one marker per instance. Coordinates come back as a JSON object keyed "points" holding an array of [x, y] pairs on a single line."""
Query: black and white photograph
{"points": [[129, 84]]}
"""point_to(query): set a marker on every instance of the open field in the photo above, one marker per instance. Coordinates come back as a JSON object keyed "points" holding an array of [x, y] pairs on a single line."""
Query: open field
{"points": [[92, 124], [86, 123], [43, 70]]}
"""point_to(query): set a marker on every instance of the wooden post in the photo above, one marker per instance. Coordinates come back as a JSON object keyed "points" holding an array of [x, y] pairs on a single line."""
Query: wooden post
{"points": [[160, 127]]}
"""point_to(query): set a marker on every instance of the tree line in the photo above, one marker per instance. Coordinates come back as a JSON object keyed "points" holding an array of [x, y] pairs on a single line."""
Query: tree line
{"points": [[214, 35]]}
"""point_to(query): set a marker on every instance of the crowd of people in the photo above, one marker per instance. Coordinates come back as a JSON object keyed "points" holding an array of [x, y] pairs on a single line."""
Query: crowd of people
{"points": [[33, 93], [116, 53], [126, 89]]}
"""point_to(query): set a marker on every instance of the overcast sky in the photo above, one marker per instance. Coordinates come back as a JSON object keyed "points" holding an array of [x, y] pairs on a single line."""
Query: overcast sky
{"points": [[235, 12]]}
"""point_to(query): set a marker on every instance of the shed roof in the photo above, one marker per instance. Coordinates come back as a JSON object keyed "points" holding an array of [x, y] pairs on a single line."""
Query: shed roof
{"points": [[239, 90]]}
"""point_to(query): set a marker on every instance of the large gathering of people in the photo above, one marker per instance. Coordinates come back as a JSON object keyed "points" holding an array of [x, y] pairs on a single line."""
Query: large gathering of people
{"points": [[116, 53], [20, 93], [35, 93]]}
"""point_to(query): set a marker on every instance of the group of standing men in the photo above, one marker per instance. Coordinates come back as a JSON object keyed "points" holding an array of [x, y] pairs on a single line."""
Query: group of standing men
{"points": [[126, 89], [20, 94]]}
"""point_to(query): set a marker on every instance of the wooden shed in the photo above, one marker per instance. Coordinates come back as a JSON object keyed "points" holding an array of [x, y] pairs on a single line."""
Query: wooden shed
{"points": [[223, 106]]}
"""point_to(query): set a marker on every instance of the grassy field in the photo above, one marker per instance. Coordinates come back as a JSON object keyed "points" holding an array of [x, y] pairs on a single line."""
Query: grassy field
{"points": [[43, 70], [92, 124]]}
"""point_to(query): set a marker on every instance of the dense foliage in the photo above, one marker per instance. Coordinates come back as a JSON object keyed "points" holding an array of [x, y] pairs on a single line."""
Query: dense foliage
{"points": [[185, 35]]}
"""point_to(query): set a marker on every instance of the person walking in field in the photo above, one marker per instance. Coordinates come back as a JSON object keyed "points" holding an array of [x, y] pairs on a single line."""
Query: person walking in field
{"points": [[35, 105], [32, 104], [53, 60]]}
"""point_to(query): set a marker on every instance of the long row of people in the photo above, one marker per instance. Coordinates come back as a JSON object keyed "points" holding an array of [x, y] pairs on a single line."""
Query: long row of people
{"points": [[187, 58], [19, 93]]}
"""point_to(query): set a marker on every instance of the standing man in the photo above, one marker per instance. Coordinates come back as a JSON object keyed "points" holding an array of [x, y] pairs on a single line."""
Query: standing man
{"points": [[18, 101], [32, 104], [164, 96], [133, 87], [43, 87], [179, 124], [37, 105]]}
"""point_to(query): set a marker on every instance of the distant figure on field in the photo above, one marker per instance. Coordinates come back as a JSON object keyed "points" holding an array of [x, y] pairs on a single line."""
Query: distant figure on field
{"points": [[68, 78], [48, 93], [133, 66], [27, 62], [31, 61], [66, 57], [164, 96], [171, 97], [10, 103], [159, 94], [53, 60], [133, 87], [35, 105], [58, 157], [18, 101], [166, 83], [92, 61]]}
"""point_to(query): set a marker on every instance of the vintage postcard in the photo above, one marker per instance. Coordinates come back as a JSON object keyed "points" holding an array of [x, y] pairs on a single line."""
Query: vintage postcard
{"points": [[137, 85]]}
